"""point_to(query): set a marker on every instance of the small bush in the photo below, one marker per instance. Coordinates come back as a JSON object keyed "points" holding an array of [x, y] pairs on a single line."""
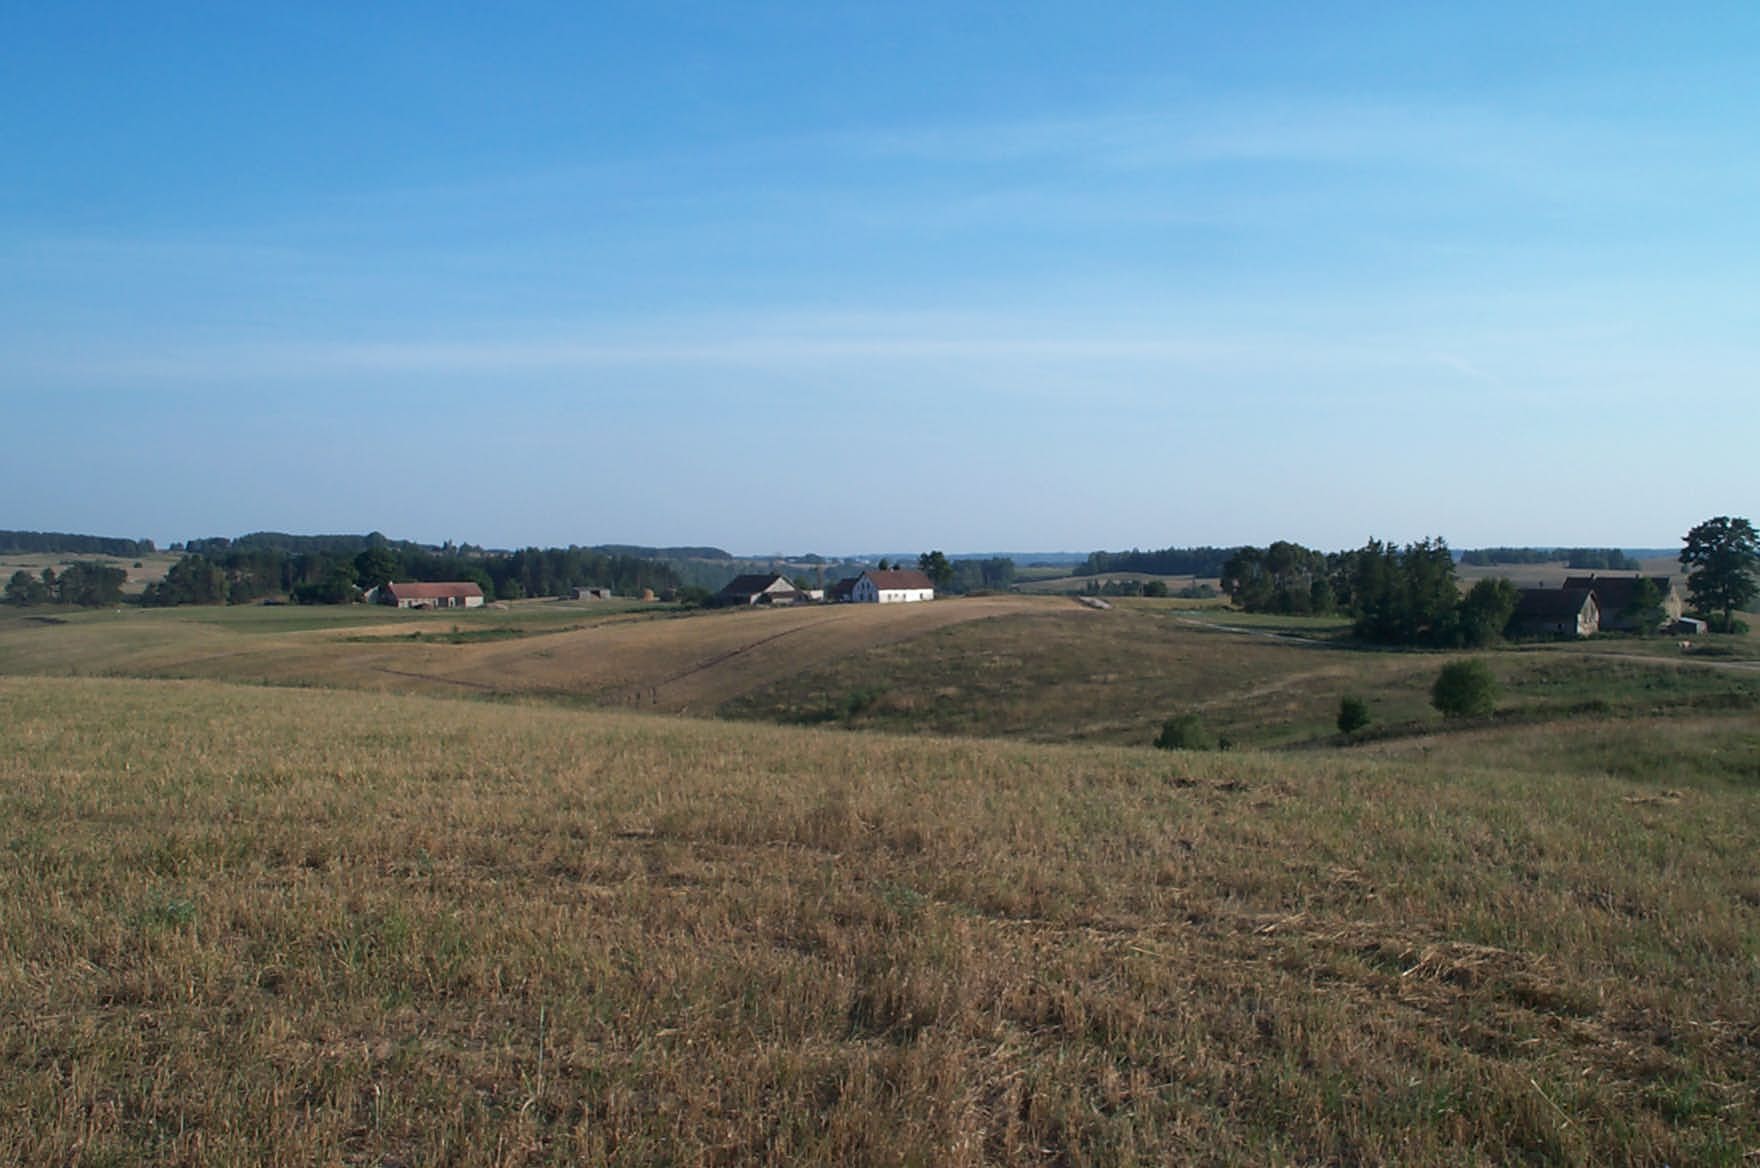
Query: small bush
{"points": [[1186, 732], [1464, 689], [859, 701], [1353, 714]]}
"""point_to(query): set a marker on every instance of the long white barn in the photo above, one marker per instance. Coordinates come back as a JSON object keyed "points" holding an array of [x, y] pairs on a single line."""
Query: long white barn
{"points": [[897, 586]]}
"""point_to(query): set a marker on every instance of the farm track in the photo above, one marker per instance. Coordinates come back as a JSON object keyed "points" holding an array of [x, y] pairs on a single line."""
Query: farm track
{"points": [[1273, 634]]}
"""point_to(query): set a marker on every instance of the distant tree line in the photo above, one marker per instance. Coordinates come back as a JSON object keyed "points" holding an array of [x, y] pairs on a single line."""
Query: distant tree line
{"points": [[675, 553], [332, 569], [989, 574], [1150, 588], [64, 543], [1397, 596], [1190, 561], [89, 585], [553, 571], [1582, 559], [963, 576], [330, 545]]}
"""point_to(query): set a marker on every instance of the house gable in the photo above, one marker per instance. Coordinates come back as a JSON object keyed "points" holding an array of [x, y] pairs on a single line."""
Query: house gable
{"points": [[759, 588], [1615, 595], [1571, 612]]}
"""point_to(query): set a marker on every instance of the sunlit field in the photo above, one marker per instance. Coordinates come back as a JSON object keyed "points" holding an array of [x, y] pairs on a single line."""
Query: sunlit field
{"points": [[257, 925]]}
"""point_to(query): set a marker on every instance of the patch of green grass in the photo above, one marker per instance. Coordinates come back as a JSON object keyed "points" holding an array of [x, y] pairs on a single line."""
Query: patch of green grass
{"points": [[1113, 677], [1585, 684]]}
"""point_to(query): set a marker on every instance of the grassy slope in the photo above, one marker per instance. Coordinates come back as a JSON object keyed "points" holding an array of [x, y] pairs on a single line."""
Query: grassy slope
{"points": [[1037, 668], [1071, 674], [241, 925], [576, 652]]}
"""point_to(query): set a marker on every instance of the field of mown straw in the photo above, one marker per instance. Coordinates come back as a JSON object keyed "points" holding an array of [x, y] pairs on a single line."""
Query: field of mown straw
{"points": [[579, 653], [250, 925]]}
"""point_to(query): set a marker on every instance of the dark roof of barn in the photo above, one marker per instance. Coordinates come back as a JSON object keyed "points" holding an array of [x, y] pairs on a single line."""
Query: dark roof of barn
{"points": [[752, 583], [1551, 603], [1615, 593]]}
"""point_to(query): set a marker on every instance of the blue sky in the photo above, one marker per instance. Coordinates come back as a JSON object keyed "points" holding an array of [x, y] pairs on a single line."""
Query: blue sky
{"points": [[853, 277]]}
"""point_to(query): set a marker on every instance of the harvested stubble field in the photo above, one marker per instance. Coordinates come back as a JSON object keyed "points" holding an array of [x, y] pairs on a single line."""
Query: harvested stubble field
{"points": [[575, 653], [250, 925]]}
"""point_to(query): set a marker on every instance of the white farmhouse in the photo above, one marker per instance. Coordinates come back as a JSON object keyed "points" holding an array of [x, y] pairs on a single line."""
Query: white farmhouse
{"points": [[898, 586], [451, 594]]}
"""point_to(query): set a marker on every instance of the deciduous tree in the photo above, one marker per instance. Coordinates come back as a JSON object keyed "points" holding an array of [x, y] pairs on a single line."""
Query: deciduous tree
{"points": [[937, 567], [1722, 558]]}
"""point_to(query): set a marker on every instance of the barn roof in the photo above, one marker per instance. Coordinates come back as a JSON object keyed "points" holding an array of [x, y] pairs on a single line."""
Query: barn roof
{"points": [[752, 583], [1615, 593], [1551, 603], [413, 590], [899, 578]]}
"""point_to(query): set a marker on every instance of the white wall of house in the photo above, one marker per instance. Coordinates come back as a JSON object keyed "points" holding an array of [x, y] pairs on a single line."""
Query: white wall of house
{"points": [[866, 593]]}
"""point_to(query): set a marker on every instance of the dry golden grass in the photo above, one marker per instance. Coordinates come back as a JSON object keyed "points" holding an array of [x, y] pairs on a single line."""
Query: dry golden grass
{"points": [[691, 663], [251, 926]]}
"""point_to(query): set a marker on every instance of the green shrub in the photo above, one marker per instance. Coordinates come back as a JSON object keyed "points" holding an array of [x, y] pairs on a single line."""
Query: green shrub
{"points": [[1465, 689], [859, 701], [1353, 714], [1186, 732]]}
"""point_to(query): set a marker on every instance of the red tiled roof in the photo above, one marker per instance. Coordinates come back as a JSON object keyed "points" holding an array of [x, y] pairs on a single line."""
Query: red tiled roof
{"points": [[900, 578], [424, 591]]}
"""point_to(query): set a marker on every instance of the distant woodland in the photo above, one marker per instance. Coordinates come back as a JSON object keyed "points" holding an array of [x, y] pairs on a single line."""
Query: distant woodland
{"points": [[1583, 559], [1173, 561], [329, 569], [1396, 595], [67, 543]]}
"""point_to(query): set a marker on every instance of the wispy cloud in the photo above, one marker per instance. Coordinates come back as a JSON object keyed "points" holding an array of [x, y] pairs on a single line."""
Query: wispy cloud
{"points": [[994, 354], [1498, 141]]}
